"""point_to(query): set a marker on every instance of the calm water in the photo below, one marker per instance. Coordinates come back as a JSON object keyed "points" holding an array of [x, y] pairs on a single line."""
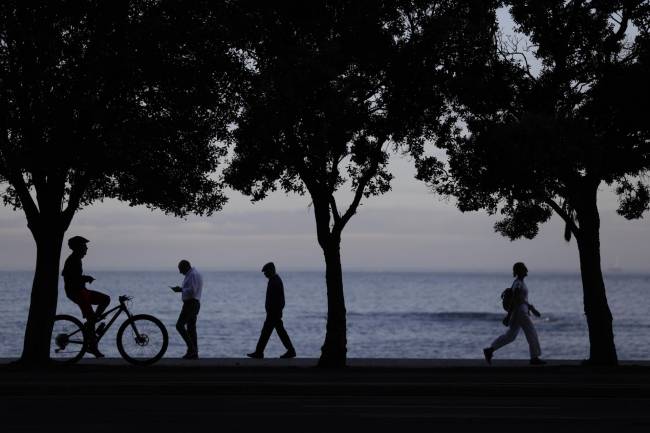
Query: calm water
{"points": [[409, 315]]}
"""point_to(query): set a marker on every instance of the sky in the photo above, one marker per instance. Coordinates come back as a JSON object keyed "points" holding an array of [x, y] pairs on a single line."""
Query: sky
{"points": [[407, 229]]}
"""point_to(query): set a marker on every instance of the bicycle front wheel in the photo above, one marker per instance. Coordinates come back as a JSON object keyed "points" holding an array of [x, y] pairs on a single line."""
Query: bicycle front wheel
{"points": [[142, 339], [68, 340]]}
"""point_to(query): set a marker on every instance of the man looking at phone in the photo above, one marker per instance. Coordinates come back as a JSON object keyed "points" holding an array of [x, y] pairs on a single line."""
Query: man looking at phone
{"points": [[191, 295]]}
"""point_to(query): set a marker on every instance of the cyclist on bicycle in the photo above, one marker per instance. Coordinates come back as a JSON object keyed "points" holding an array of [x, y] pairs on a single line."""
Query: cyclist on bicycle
{"points": [[75, 289]]}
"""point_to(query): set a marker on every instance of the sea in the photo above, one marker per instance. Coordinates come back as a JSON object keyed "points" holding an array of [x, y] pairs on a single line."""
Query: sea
{"points": [[389, 314]]}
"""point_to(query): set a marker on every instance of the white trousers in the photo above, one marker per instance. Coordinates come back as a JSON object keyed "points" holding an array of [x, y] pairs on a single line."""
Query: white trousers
{"points": [[520, 319]]}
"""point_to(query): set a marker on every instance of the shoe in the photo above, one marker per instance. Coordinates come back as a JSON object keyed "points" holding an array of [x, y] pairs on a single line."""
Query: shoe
{"points": [[291, 353], [537, 361], [487, 353], [255, 355], [100, 328], [95, 352], [191, 356]]}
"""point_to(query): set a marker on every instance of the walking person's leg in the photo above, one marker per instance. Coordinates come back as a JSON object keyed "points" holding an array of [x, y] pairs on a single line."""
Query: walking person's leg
{"points": [[503, 339], [533, 341], [265, 334], [195, 306], [507, 337], [181, 325], [286, 341]]}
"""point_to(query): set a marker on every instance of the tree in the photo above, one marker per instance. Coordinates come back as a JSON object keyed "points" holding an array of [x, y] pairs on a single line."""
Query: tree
{"points": [[106, 100], [329, 84], [543, 142]]}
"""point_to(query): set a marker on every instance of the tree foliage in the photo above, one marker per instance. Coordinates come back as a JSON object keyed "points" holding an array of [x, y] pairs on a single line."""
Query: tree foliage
{"points": [[121, 99], [537, 138], [335, 87], [111, 100], [334, 82], [542, 139]]}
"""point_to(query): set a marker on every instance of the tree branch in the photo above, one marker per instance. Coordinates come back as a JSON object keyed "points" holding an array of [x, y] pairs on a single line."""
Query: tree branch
{"points": [[358, 194], [622, 28], [39, 184], [501, 49], [77, 190], [566, 217], [334, 175], [14, 176], [335, 210], [26, 201]]}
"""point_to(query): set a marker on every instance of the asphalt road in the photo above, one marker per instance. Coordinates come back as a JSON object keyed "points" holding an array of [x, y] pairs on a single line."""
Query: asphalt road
{"points": [[237, 395]]}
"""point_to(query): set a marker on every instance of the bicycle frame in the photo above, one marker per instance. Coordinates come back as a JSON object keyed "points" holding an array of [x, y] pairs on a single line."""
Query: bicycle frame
{"points": [[127, 341], [118, 309]]}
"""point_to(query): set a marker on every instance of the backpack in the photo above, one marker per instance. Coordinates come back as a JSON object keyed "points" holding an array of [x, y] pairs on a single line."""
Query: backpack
{"points": [[507, 296]]}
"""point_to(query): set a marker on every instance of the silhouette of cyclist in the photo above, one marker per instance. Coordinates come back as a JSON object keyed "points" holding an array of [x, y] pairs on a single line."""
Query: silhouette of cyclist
{"points": [[75, 288]]}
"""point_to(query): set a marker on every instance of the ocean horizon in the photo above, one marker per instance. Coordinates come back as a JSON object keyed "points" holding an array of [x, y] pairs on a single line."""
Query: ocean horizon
{"points": [[390, 314]]}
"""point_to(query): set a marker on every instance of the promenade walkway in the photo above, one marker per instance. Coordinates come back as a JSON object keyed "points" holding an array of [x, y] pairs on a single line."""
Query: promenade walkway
{"points": [[397, 395], [413, 363]]}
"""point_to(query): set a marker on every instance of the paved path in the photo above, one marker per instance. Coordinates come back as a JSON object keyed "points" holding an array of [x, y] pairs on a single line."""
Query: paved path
{"points": [[352, 362], [227, 395]]}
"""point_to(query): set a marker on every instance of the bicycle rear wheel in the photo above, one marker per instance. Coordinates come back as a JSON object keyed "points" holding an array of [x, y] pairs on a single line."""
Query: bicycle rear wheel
{"points": [[68, 340], [142, 339]]}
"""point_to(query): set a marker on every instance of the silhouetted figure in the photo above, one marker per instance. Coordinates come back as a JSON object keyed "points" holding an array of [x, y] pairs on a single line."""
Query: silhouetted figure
{"points": [[518, 318], [191, 295], [274, 305], [75, 288]]}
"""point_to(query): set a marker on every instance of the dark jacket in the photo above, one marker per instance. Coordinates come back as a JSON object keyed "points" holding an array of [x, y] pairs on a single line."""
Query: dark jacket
{"points": [[73, 278], [274, 296]]}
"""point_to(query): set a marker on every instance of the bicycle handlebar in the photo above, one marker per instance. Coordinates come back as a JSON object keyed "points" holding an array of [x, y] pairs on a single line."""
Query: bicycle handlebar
{"points": [[124, 298]]}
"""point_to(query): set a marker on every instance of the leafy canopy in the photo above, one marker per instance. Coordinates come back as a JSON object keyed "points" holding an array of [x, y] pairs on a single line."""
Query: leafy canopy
{"points": [[118, 99], [543, 140], [333, 84]]}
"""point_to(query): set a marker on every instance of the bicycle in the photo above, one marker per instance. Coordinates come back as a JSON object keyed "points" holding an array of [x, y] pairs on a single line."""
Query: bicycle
{"points": [[141, 340]]}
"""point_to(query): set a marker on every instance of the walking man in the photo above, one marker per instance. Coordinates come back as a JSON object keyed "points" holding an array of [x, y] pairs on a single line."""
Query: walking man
{"points": [[518, 318], [191, 295], [274, 305], [75, 289]]}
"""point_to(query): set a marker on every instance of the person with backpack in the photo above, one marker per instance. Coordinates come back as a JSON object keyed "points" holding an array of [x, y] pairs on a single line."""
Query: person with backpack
{"points": [[515, 301]]}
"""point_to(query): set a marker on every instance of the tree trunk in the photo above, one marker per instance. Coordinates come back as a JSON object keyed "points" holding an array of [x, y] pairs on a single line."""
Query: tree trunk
{"points": [[334, 350], [45, 288], [602, 349]]}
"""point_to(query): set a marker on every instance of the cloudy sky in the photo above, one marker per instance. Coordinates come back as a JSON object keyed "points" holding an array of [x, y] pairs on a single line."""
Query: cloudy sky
{"points": [[407, 229]]}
